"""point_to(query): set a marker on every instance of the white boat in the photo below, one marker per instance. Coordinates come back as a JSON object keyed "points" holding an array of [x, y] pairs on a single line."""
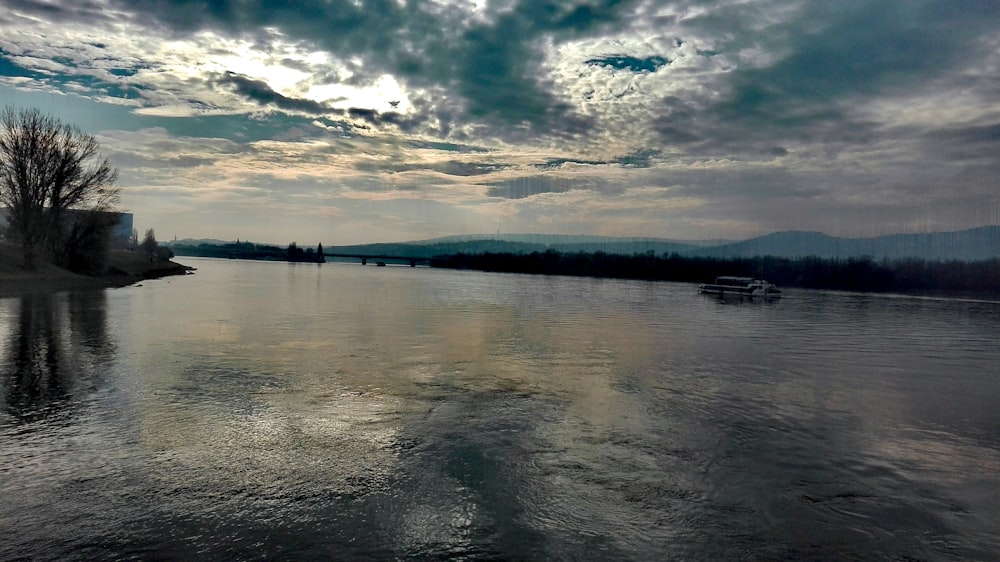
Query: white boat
{"points": [[740, 286]]}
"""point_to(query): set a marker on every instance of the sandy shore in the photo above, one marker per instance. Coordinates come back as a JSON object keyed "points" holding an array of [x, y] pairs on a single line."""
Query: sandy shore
{"points": [[124, 268]]}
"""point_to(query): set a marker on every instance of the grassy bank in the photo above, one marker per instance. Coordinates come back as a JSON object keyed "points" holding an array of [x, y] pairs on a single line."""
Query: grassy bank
{"points": [[124, 268]]}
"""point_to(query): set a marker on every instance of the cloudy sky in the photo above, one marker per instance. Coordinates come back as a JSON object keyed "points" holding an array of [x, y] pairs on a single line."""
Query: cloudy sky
{"points": [[346, 121]]}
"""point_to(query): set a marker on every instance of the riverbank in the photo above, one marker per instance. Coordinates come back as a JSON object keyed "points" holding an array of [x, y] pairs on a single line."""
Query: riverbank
{"points": [[124, 268], [861, 274]]}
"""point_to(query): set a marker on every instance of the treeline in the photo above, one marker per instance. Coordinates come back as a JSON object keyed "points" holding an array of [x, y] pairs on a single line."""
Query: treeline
{"points": [[251, 251], [851, 274], [296, 254], [236, 250]]}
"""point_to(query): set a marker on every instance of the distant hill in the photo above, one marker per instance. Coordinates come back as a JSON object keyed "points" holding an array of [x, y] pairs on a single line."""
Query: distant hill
{"points": [[552, 240], [967, 245], [195, 242], [431, 249], [521, 244]]}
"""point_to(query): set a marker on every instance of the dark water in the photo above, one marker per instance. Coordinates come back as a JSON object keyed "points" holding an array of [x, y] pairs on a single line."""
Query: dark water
{"points": [[279, 411]]}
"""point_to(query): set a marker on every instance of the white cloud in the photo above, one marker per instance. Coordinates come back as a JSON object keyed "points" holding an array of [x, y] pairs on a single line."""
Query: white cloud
{"points": [[738, 122]]}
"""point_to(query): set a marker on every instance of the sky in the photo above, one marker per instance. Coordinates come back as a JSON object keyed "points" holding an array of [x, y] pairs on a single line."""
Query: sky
{"points": [[354, 121]]}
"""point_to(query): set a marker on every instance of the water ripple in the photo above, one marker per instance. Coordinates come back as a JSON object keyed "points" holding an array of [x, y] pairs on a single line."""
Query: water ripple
{"points": [[351, 413]]}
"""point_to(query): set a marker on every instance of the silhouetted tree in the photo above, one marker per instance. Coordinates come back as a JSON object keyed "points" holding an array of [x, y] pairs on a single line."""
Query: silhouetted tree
{"points": [[149, 243], [47, 168], [86, 241]]}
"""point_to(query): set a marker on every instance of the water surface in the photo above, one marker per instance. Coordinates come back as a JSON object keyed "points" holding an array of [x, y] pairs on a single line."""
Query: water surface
{"points": [[294, 411]]}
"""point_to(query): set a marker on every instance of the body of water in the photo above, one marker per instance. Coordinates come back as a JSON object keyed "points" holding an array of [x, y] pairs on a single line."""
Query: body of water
{"points": [[294, 411]]}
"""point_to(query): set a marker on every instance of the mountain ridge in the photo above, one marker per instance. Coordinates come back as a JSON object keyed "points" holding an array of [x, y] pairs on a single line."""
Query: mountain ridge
{"points": [[979, 243]]}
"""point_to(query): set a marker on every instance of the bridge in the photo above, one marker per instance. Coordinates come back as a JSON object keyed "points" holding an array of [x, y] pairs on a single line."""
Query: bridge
{"points": [[381, 258]]}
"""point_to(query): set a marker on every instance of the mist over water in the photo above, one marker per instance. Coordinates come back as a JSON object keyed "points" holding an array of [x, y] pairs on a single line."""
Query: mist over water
{"points": [[294, 411]]}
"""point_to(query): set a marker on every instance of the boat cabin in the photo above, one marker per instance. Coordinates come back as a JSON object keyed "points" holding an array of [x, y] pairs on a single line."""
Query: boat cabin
{"points": [[740, 286], [734, 281]]}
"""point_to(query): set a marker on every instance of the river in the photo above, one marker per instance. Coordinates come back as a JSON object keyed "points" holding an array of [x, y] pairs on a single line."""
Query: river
{"points": [[262, 410]]}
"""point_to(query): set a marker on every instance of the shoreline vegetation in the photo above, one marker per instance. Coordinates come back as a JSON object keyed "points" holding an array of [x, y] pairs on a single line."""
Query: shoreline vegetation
{"points": [[859, 274], [57, 201], [123, 268], [251, 251]]}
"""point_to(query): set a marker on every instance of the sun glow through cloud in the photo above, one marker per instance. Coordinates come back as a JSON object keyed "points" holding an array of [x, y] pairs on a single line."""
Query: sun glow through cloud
{"points": [[679, 120]]}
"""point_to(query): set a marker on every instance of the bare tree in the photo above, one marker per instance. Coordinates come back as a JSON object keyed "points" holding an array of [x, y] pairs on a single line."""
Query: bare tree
{"points": [[149, 243], [47, 168]]}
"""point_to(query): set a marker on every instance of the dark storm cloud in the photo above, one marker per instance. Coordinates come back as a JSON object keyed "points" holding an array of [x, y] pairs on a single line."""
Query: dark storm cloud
{"points": [[835, 56], [130, 161], [446, 146], [962, 144], [740, 186], [554, 163], [985, 136], [520, 188], [260, 92], [483, 70], [59, 12], [449, 168], [641, 158], [466, 169], [378, 118], [242, 128], [498, 76], [369, 115]]}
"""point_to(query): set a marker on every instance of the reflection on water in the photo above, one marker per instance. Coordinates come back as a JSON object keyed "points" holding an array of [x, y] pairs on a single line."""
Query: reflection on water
{"points": [[54, 345], [290, 411]]}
